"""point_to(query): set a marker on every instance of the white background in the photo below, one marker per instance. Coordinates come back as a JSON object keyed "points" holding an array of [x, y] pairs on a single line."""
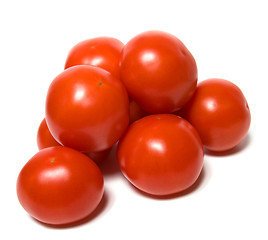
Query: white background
{"points": [[228, 40]]}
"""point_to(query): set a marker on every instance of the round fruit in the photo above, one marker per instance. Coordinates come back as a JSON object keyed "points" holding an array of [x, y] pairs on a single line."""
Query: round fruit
{"points": [[159, 72], [87, 108], [103, 52], [45, 140], [161, 154], [220, 113], [44, 137], [59, 185]]}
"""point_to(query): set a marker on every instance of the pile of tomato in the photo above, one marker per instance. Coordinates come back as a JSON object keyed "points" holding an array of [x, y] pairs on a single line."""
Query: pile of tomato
{"points": [[143, 97]]}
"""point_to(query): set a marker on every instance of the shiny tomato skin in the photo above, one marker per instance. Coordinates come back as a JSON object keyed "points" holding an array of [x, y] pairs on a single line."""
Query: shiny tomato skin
{"points": [[159, 72], [59, 185], [103, 52], [161, 154], [45, 140], [219, 111], [44, 137], [87, 108]]}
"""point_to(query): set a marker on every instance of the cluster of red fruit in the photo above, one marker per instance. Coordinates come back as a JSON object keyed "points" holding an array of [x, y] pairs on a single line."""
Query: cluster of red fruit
{"points": [[143, 94]]}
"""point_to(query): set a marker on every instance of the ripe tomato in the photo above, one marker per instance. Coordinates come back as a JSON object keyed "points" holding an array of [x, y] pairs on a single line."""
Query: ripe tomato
{"points": [[59, 185], [161, 154], [100, 156], [45, 140], [159, 72], [103, 52], [220, 113], [44, 137], [135, 112], [87, 108]]}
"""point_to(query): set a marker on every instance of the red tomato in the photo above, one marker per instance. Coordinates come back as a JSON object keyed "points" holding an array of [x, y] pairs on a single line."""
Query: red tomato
{"points": [[45, 140], [44, 137], [135, 112], [103, 52], [100, 156], [159, 72], [220, 113], [161, 154], [59, 185], [87, 108]]}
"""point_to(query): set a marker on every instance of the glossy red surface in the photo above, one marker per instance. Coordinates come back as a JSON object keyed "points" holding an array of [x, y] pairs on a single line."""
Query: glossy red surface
{"points": [[159, 72], [220, 113], [103, 52], [45, 140], [161, 154], [59, 185], [87, 108]]}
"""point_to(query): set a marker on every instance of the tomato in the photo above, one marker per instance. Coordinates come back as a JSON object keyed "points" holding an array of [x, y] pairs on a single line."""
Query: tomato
{"points": [[159, 72], [45, 140], [161, 154], [44, 137], [103, 52], [100, 156], [220, 113], [135, 112], [59, 185], [87, 108]]}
